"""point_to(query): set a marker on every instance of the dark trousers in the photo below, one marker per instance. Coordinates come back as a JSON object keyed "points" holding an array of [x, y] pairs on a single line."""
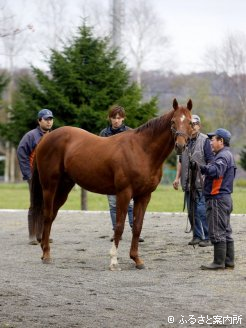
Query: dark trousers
{"points": [[218, 215]]}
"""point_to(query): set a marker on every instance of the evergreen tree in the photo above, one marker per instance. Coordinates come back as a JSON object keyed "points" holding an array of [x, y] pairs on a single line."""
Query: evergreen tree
{"points": [[84, 80], [243, 158]]}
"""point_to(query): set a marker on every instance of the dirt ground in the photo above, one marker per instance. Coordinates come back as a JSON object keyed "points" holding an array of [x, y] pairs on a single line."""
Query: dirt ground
{"points": [[78, 290]]}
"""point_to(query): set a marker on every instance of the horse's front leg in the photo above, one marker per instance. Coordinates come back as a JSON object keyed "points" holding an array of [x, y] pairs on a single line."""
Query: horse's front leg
{"points": [[122, 202], [140, 205]]}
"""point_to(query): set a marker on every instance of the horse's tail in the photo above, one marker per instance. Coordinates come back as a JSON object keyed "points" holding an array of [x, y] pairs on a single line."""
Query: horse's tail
{"points": [[36, 208]]}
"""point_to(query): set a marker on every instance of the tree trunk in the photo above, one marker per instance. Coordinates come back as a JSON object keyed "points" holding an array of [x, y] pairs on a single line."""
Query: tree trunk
{"points": [[83, 200], [7, 161], [12, 164]]}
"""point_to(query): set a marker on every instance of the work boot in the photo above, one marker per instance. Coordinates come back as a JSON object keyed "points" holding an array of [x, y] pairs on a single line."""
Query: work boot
{"points": [[194, 241], [219, 258], [33, 242], [205, 243], [229, 261]]}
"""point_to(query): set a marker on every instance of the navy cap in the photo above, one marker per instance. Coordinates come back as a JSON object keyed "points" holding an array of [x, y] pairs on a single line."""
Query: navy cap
{"points": [[222, 133], [45, 113]]}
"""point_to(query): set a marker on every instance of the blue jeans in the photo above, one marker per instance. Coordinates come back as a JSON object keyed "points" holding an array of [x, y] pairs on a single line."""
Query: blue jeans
{"points": [[112, 209], [201, 224]]}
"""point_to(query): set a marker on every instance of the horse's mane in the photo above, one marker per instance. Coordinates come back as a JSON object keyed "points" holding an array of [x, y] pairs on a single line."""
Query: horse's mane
{"points": [[158, 124]]}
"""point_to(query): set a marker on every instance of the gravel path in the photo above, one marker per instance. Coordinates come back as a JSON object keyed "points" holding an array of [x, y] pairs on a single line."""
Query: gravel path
{"points": [[78, 290]]}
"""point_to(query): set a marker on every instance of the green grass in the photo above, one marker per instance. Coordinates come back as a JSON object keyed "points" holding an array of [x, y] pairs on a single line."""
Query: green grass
{"points": [[164, 199]]}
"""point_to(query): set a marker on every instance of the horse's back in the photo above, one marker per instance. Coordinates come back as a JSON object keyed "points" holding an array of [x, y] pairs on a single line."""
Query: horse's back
{"points": [[88, 159], [65, 137], [66, 134], [65, 143]]}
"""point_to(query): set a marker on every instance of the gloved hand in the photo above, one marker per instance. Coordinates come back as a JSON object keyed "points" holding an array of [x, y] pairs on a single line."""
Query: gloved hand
{"points": [[203, 169], [193, 165]]}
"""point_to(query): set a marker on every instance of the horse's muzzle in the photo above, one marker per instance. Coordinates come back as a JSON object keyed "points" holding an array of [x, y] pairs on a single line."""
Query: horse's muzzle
{"points": [[179, 148], [181, 140]]}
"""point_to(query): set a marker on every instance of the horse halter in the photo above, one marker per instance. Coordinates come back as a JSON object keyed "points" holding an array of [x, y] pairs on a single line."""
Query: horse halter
{"points": [[177, 133]]}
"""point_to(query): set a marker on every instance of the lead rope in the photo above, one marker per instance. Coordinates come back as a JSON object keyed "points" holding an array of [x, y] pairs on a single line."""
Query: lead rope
{"points": [[188, 227], [186, 203], [192, 174]]}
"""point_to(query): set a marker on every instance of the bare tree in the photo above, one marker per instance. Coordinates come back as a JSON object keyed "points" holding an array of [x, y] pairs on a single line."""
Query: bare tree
{"points": [[229, 56], [52, 20], [117, 22], [229, 60], [13, 39], [97, 15], [144, 35]]}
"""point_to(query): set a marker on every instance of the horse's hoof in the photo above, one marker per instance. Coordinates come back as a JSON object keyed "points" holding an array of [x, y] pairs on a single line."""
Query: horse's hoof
{"points": [[47, 261], [114, 267], [140, 266]]}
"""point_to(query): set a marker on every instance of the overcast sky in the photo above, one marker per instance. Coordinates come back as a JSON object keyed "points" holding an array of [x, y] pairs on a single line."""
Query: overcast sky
{"points": [[195, 25], [191, 25]]}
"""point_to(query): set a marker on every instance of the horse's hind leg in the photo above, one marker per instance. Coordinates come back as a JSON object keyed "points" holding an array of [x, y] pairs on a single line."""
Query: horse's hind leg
{"points": [[140, 205], [47, 222], [64, 187], [52, 202]]}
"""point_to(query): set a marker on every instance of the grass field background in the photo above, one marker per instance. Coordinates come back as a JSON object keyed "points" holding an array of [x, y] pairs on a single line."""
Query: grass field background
{"points": [[164, 199]]}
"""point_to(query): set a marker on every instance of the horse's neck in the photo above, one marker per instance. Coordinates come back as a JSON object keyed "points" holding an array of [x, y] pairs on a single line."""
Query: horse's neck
{"points": [[157, 144], [161, 146], [156, 138]]}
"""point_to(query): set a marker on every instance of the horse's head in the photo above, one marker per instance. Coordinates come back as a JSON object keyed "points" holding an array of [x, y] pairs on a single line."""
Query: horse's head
{"points": [[181, 125]]}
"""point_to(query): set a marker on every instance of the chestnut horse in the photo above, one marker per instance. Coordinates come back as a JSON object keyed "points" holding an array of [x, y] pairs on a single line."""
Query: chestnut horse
{"points": [[128, 165]]}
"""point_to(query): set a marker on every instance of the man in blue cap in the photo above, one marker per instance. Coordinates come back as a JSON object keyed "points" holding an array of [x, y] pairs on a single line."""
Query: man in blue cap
{"points": [[26, 151], [218, 186]]}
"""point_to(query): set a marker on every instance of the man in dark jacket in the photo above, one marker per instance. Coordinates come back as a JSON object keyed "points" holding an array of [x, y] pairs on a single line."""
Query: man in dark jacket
{"points": [[116, 117], [26, 151], [218, 187]]}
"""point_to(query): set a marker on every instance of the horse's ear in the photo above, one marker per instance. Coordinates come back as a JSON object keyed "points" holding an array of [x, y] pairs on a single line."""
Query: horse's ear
{"points": [[175, 104], [189, 104]]}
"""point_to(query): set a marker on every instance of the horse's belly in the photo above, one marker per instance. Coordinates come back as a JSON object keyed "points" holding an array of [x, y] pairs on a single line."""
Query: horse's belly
{"points": [[93, 179]]}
